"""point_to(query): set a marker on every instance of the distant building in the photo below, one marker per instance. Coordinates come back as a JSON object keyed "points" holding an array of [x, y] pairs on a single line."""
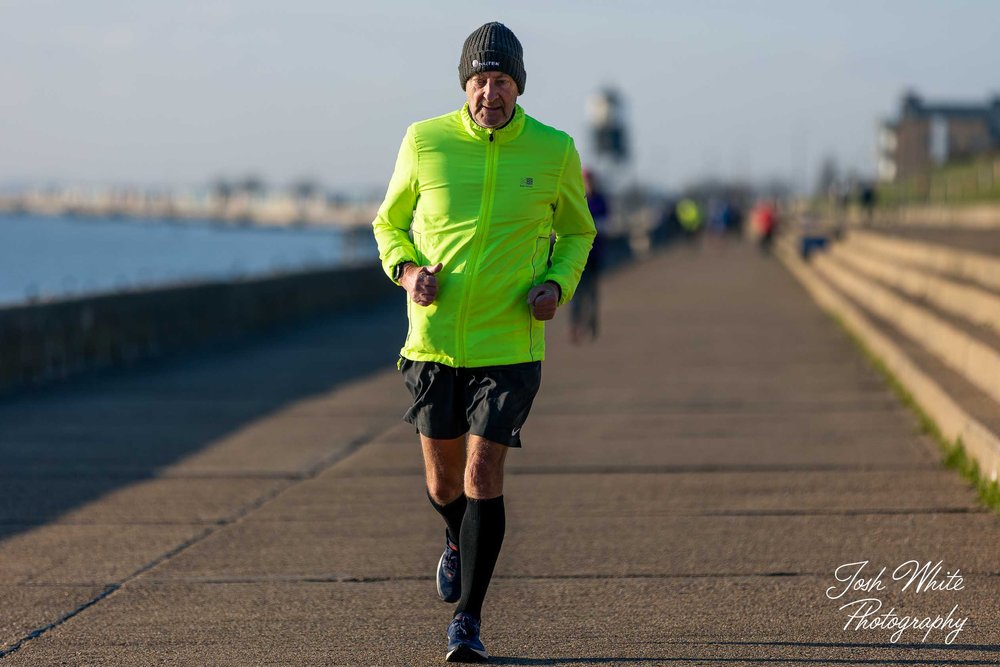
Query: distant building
{"points": [[926, 135]]}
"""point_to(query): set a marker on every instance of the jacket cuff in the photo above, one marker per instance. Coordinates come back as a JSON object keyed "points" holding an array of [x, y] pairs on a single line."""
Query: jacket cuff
{"points": [[562, 288], [397, 272], [558, 286], [394, 259]]}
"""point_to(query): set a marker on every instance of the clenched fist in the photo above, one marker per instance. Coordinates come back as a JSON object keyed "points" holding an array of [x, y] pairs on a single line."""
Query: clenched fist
{"points": [[544, 299], [420, 282]]}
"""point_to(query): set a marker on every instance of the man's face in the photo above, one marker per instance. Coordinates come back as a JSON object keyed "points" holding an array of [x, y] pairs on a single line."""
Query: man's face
{"points": [[491, 97]]}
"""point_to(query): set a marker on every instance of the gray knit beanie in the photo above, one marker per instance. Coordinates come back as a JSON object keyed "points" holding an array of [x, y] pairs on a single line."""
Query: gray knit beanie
{"points": [[492, 48]]}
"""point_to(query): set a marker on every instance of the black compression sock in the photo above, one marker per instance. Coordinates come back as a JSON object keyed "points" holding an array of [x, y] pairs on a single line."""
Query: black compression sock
{"points": [[482, 535], [453, 514]]}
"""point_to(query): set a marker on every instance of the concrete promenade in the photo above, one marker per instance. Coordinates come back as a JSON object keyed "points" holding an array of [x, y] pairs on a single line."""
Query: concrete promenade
{"points": [[687, 489]]}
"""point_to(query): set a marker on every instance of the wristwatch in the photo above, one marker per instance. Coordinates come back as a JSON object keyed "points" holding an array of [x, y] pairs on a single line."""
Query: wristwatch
{"points": [[397, 272]]}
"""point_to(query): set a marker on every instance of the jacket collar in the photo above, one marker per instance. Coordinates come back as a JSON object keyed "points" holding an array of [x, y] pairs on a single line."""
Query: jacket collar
{"points": [[504, 134]]}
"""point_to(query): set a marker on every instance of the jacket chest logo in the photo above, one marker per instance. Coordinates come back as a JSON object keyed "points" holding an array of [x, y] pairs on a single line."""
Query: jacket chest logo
{"points": [[528, 182]]}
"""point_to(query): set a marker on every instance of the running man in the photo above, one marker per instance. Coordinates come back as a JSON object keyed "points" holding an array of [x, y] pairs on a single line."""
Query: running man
{"points": [[464, 229]]}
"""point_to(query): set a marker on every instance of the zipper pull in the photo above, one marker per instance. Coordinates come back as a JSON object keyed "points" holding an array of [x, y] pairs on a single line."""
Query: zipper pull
{"points": [[491, 136]]}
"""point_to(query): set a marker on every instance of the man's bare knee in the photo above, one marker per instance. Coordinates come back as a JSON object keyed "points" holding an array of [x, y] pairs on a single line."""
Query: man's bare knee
{"points": [[484, 468], [444, 491], [483, 479]]}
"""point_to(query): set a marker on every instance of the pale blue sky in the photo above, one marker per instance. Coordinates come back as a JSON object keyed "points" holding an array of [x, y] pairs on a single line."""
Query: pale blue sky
{"points": [[175, 93]]}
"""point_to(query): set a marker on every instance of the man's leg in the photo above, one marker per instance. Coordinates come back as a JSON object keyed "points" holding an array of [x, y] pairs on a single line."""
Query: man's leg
{"points": [[497, 401], [484, 522], [444, 466]]}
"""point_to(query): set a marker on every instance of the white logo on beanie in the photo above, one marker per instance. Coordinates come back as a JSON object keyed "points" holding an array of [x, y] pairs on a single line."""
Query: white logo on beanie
{"points": [[485, 63]]}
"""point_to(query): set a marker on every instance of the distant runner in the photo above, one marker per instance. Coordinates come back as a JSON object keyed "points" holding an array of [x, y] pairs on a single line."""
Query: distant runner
{"points": [[584, 309]]}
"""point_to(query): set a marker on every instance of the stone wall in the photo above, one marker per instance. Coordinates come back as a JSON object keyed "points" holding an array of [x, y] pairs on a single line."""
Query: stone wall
{"points": [[49, 341]]}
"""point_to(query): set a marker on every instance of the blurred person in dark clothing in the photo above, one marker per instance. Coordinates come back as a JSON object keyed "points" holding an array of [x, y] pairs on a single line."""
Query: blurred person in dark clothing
{"points": [[733, 219], [584, 306], [867, 198], [716, 217], [668, 226]]}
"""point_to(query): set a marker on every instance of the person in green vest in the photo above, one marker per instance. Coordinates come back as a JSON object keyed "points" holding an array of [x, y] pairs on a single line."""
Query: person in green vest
{"points": [[464, 229], [689, 216]]}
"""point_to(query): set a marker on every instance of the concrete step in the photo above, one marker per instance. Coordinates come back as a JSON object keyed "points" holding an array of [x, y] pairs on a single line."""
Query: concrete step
{"points": [[984, 241], [976, 267], [963, 300], [951, 373], [975, 360]]}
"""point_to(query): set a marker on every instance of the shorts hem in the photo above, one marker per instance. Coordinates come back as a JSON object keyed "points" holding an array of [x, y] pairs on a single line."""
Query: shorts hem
{"points": [[435, 436], [514, 442]]}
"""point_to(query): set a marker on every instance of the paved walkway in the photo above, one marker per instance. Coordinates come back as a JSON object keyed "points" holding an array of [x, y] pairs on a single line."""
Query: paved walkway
{"points": [[687, 488]]}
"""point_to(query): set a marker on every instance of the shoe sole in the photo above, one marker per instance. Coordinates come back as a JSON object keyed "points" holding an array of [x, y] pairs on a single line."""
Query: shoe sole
{"points": [[466, 654], [437, 584]]}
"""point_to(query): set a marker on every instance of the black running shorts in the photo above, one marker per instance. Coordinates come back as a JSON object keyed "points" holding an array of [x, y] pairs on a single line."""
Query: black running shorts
{"points": [[492, 402]]}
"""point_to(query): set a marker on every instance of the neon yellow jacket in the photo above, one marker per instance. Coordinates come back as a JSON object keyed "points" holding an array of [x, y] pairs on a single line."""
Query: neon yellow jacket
{"points": [[483, 203]]}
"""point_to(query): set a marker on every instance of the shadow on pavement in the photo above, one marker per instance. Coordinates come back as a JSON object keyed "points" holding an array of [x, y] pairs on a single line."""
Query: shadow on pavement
{"points": [[622, 660], [64, 446], [497, 660], [717, 660], [986, 648]]}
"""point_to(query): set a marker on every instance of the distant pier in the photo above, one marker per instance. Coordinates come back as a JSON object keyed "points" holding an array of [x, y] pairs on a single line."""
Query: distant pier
{"points": [[274, 210]]}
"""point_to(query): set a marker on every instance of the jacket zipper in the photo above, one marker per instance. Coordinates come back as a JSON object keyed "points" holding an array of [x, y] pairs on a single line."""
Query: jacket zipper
{"points": [[482, 227]]}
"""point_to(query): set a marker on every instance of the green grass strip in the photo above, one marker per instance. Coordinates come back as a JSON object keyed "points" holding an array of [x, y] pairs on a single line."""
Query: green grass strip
{"points": [[953, 454]]}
